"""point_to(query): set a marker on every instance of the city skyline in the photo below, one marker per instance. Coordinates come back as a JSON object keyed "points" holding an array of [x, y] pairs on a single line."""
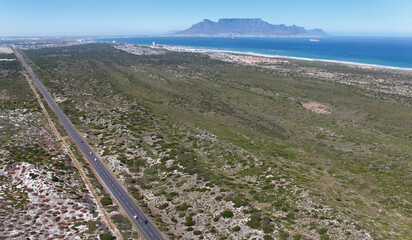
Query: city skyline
{"points": [[56, 18]]}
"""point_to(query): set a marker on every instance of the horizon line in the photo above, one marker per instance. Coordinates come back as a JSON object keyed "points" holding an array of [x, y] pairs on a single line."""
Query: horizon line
{"points": [[173, 35]]}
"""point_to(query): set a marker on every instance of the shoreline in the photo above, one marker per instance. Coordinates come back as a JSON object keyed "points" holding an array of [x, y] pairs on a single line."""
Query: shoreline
{"points": [[179, 48], [211, 50], [369, 65], [201, 49]]}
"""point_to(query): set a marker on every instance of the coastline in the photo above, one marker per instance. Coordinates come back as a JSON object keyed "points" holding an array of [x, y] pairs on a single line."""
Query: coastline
{"points": [[249, 52], [211, 51], [321, 60]]}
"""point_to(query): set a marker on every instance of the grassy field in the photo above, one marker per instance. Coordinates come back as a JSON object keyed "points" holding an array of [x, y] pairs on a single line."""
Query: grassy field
{"points": [[288, 171]]}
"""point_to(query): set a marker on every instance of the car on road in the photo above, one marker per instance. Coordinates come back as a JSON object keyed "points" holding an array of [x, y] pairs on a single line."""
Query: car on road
{"points": [[102, 169]]}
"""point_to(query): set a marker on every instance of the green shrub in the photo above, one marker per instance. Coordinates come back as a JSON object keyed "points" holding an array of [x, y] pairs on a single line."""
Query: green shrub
{"points": [[267, 237], [254, 221], [297, 237], [189, 221], [283, 235], [227, 214], [106, 201], [236, 229], [164, 205], [183, 207], [170, 196], [313, 225], [322, 231], [324, 237], [107, 236]]}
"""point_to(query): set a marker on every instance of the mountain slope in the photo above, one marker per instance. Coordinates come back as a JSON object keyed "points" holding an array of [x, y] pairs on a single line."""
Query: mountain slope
{"points": [[247, 27]]}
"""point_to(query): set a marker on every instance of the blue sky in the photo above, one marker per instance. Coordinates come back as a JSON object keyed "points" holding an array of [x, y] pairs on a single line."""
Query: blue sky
{"points": [[106, 17]]}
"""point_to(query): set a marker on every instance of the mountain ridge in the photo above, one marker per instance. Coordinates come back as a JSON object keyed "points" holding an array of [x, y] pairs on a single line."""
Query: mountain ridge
{"points": [[247, 27]]}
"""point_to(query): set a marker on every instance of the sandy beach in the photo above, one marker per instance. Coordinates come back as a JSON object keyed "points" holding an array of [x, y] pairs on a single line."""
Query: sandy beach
{"points": [[235, 54]]}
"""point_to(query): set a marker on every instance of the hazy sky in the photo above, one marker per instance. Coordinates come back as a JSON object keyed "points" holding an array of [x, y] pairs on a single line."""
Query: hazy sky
{"points": [[104, 17]]}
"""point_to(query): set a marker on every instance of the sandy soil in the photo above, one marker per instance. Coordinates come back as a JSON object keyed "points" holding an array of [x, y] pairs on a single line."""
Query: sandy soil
{"points": [[317, 107], [6, 50]]}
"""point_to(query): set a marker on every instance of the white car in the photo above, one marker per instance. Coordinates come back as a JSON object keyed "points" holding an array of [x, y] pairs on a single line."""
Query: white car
{"points": [[95, 159], [135, 217]]}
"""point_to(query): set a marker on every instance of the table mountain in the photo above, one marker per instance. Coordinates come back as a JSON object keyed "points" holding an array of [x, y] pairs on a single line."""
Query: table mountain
{"points": [[248, 27]]}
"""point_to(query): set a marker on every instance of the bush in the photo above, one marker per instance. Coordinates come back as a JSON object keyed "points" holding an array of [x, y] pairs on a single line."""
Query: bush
{"points": [[107, 236], [324, 237], [197, 232], [183, 207], [283, 235], [267, 237], [255, 221], [189, 221], [236, 229], [171, 195], [106, 201], [164, 205], [322, 231], [54, 179], [227, 214], [121, 222], [297, 237]]}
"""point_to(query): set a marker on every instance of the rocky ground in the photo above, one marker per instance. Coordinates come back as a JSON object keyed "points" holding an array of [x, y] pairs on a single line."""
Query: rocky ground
{"points": [[42, 195]]}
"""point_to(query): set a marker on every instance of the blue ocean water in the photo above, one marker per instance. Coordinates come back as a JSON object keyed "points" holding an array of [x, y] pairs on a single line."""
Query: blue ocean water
{"points": [[384, 51]]}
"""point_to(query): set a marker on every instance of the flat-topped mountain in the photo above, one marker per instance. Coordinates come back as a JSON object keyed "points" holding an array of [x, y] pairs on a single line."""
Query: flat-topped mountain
{"points": [[248, 27]]}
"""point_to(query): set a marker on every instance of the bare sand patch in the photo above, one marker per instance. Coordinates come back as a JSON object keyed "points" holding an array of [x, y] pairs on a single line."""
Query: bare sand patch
{"points": [[317, 107], [6, 50]]}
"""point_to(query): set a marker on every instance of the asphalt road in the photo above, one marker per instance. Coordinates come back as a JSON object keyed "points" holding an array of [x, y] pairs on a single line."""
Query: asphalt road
{"points": [[117, 191]]}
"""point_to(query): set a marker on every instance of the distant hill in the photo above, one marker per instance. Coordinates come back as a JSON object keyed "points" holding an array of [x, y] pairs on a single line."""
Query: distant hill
{"points": [[248, 27]]}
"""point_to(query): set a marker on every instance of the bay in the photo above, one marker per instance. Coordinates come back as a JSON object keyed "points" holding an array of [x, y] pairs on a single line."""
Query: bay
{"points": [[382, 51]]}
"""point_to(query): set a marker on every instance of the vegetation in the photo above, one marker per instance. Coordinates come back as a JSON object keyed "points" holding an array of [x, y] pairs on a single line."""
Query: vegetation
{"points": [[43, 194], [107, 236], [195, 132], [227, 214], [106, 201]]}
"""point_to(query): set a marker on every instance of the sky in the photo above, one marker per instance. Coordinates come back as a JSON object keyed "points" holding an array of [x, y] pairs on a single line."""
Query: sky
{"points": [[110, 17]]}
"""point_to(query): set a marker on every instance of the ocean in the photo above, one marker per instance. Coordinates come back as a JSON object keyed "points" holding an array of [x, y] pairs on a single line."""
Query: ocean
{"points": [[382, 51]]}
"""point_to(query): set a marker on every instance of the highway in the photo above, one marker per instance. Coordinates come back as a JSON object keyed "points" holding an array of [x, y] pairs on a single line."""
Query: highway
{"points": [[138, 218]]}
